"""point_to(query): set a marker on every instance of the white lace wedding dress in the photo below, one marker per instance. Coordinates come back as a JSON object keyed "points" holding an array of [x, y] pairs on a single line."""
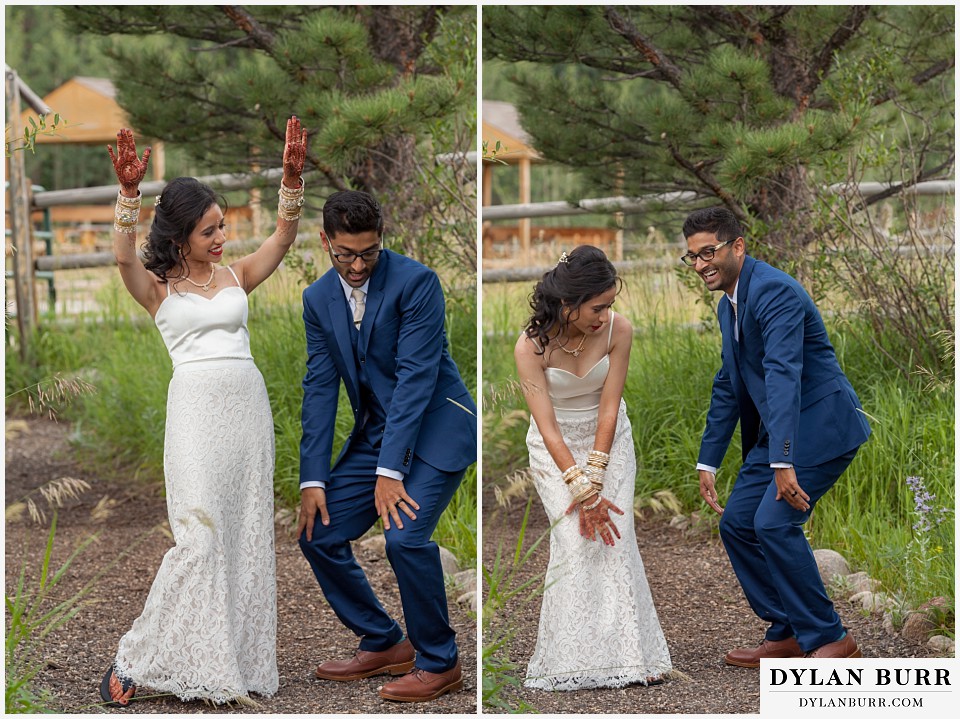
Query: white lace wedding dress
{"points": [[208, 628], [598, 625]]}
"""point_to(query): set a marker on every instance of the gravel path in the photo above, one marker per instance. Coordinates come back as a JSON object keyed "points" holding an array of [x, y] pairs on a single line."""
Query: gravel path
{"points": [[76, 655], [701, 609]]}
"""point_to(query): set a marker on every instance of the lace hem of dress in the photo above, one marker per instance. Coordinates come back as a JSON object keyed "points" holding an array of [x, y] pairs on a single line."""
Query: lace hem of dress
{"points": [[600, 680], [185, 694]]}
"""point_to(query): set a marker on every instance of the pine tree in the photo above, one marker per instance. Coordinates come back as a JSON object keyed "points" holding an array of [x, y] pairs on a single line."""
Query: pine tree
{"points": [[750, 106], [220, 81]]}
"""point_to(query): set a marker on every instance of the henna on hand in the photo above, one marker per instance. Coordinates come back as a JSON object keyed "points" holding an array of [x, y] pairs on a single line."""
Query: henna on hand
{"points": [[130, 169], [294, 151]]}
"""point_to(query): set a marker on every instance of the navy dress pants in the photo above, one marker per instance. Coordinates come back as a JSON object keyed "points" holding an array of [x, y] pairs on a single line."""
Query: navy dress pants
{"points": [[771, 556], [414, 557]]}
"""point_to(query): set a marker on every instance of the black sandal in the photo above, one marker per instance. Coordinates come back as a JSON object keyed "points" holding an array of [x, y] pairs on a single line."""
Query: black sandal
{"points": [[125, 684]]}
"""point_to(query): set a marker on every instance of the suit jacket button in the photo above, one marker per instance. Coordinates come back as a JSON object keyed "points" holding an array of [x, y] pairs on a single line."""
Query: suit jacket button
{"points": [[363, 359], [786, 453]]}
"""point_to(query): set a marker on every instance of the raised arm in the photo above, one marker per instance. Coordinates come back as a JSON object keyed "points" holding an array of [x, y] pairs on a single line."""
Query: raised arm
{"points": [[131, 169], [259, 265]]}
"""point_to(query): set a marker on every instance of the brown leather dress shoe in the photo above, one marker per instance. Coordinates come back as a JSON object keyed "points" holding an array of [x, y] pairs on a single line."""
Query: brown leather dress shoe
{"points": [[423, 686], [751, 656], [845, 648], [396, 660]]}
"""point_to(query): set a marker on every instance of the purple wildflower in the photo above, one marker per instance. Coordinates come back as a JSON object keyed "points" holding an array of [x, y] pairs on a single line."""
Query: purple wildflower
{"points": [[928, 516]]}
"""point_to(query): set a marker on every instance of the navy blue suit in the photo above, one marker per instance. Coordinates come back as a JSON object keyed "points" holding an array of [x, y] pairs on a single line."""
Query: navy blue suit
{"points": [[781, 381], [412, 413]]}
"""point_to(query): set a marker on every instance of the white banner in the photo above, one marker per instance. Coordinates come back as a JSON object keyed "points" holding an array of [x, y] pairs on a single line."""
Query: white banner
{"points": [[824, 688]]}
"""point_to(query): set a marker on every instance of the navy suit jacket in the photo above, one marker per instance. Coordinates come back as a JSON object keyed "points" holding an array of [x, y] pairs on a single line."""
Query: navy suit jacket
{"points": [[403, 349], [781, 381]]}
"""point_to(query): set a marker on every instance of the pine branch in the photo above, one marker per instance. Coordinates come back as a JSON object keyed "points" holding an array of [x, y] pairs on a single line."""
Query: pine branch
{"points": [[699, 171], [667, 70], [920, 78], [717, 18], [841, 36], [263, 38]]}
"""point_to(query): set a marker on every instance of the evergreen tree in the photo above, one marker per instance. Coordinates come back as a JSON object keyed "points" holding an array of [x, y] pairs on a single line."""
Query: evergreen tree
{"points": [[220, 82], [747, 105]]}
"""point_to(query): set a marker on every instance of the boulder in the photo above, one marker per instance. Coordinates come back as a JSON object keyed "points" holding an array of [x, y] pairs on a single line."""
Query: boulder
{"points": [[466, 580], [923, 622], [448, 562], [469, 599], [831, 564], [871, 601], [861, 582], [888, 625], [942, 645], [376, 544]]}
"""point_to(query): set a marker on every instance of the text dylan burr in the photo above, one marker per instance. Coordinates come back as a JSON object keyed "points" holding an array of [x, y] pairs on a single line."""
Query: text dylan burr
{"points": [[813, 677]]}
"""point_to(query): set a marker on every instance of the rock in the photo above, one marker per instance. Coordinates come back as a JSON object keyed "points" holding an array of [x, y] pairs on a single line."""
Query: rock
{"points": [[679, 522], [861, 582], [448, 562], [469, 599], [942, 645], [831, 564], [466, 580], [871, 601], [927, 619], [888, 626], [377, 544], [874, 602]]}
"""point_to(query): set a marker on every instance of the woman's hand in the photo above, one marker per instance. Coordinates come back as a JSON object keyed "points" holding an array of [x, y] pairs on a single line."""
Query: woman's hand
{"points": [[130, 170], [598, 520], [294, 153]]}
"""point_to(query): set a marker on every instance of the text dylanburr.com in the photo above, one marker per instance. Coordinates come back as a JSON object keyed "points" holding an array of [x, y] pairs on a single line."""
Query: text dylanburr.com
{"points": [[858, 687]]}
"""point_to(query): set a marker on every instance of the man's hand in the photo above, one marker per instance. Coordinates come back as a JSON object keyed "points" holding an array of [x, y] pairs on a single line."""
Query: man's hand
{"points": [[391, 496], [312, 500], [708, 490], [789, 489]]}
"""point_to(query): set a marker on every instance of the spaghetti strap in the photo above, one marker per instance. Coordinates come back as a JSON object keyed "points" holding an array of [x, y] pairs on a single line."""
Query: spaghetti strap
{"points": [[234, 276], [168, 288], [610, 334], [534, 340]]}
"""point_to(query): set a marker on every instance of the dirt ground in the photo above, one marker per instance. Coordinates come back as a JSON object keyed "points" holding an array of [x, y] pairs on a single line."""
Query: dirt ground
{"points": [[701, 609], [76, 655]]}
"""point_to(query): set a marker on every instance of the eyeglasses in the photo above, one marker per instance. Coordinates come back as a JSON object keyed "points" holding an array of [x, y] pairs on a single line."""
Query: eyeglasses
{"points": [[348, 258], [706, 254]]}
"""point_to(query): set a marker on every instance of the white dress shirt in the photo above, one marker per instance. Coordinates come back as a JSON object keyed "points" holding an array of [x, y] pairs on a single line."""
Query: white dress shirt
{"points": [[736, 337], [348, 293]]}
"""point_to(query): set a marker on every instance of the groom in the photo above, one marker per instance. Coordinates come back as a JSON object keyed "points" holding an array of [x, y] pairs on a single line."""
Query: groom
{"points": [[375, 321], [801, 425]]}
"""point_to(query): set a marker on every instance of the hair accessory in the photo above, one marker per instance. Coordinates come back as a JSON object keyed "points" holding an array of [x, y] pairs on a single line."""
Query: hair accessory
{"points": [[563, 257], [156, 202]]}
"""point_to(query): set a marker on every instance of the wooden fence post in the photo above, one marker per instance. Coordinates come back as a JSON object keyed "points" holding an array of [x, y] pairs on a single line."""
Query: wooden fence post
{"points": [[21, 232]]}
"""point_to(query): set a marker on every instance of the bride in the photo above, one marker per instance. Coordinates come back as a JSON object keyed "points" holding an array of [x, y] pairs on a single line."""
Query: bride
{"points": [[209, 624], [598, 625]]}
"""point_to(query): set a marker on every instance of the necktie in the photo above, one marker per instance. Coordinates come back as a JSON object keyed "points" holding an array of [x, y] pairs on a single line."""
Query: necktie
{"points": [[736, 328], [360, 302]]}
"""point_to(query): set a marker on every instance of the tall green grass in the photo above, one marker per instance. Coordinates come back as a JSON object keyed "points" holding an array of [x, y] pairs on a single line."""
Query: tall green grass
{"points": [[120, 427], [868, 516]]}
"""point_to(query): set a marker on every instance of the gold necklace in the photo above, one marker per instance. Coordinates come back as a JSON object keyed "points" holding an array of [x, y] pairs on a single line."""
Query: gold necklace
{"points": [[576, 352], [206, 286]]}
